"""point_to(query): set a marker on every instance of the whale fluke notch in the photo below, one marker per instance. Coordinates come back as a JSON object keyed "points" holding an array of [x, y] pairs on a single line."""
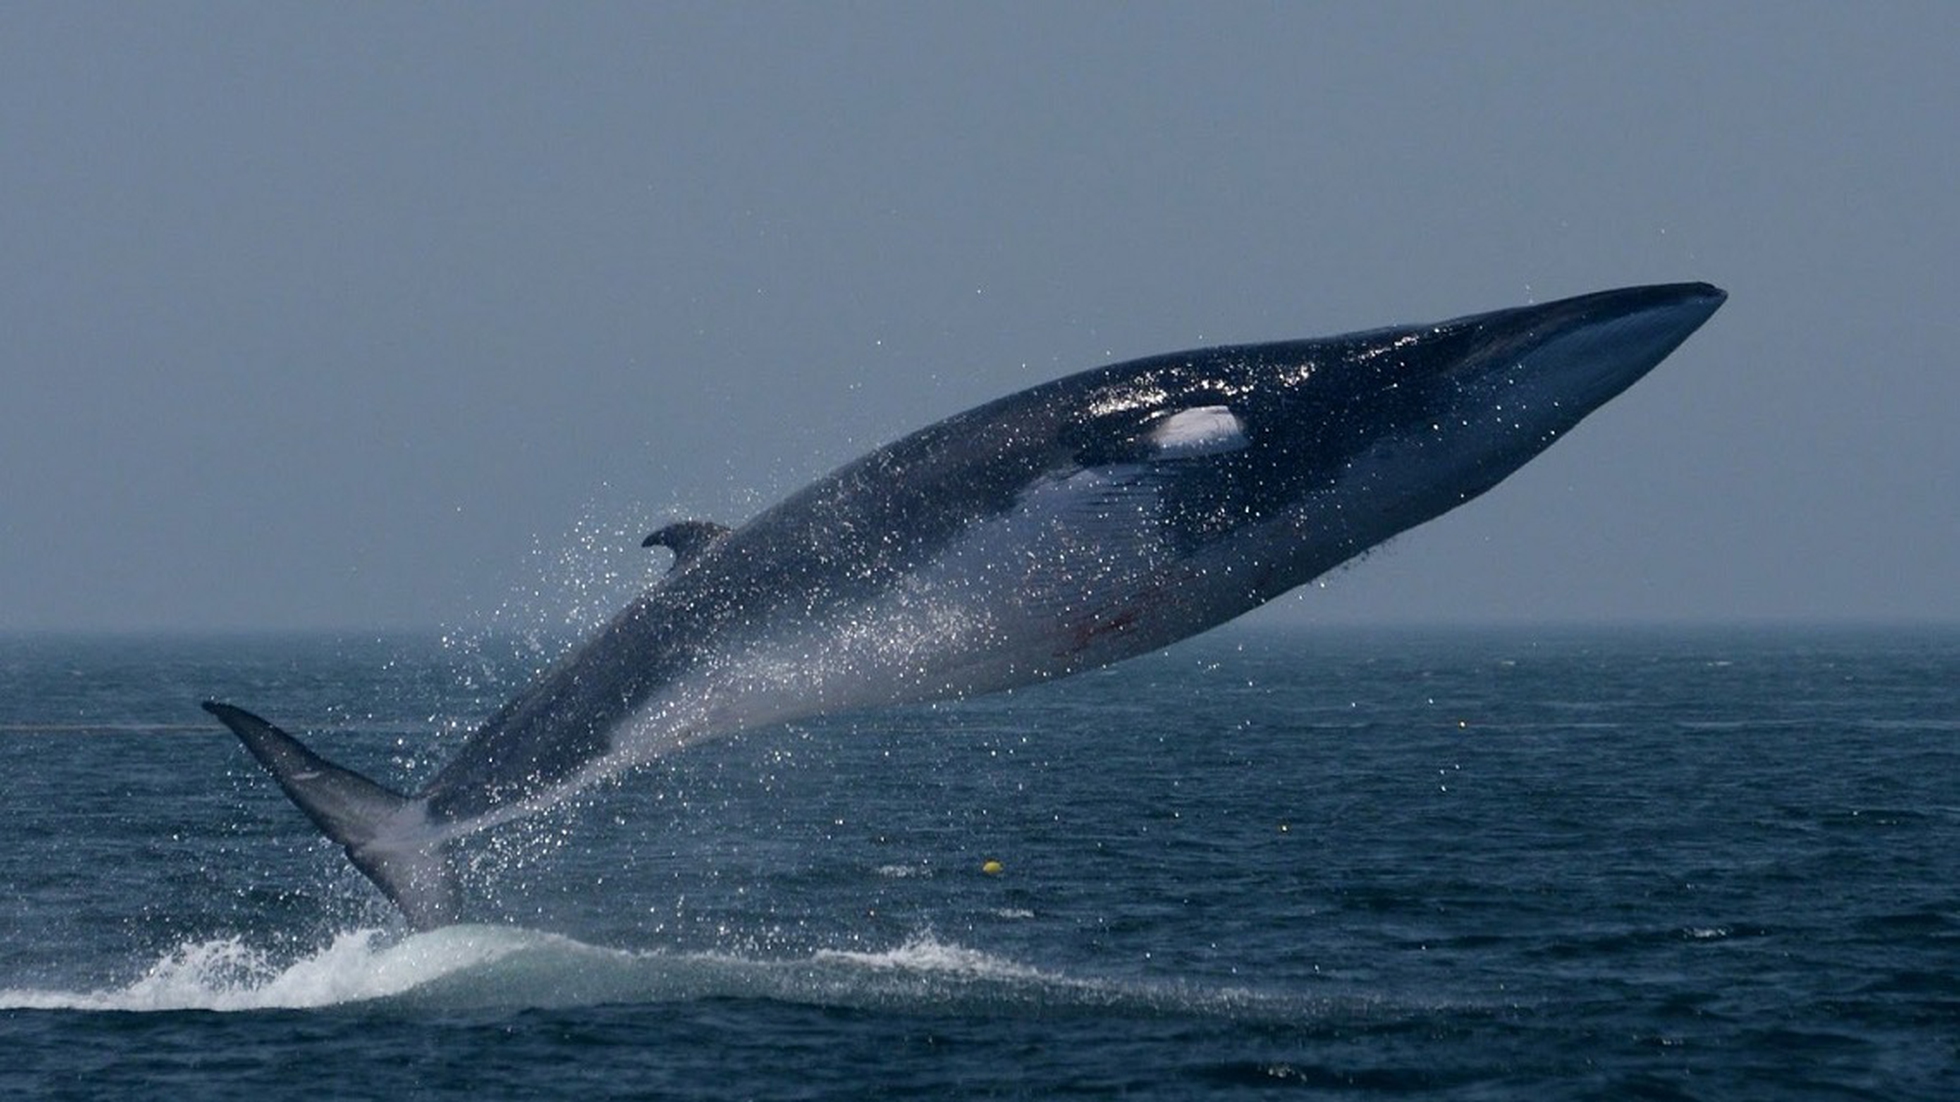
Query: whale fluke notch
{"points": [[365, 818], [687, 539]]}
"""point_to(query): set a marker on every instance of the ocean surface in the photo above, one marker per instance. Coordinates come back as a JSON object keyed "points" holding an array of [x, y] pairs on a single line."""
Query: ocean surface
{"points": [[1502, 864]]}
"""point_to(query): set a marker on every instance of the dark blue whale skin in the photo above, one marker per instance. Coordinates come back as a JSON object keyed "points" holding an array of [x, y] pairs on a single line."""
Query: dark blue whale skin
{"points": [[1068, 526]]}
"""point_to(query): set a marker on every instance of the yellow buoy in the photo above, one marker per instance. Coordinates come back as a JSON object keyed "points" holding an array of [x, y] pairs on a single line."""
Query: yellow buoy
{"points": [[991, 868]]}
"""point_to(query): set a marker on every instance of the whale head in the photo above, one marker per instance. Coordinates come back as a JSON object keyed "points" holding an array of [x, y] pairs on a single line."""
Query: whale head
{"points": [[1278, 461]]}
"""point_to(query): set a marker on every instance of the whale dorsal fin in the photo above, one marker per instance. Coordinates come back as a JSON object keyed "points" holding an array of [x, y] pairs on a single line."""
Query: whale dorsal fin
{"points": [[687, 539]]}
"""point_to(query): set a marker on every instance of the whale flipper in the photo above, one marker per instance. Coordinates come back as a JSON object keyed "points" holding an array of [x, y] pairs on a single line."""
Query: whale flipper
{"points": [[687, 539], [372, 823]]}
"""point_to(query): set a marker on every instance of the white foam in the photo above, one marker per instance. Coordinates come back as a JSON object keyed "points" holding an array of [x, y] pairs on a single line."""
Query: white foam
{"points": [[489, 966], [227, 974], [924, 953], [483, 967]]}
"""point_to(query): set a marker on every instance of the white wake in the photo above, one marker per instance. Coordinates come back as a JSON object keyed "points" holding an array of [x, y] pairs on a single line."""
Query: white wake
{"points": [[465, 967]]}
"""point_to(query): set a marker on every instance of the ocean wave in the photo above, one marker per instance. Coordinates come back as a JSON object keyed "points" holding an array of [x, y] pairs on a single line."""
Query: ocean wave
{"points": [[472, 967], [227, 974]]}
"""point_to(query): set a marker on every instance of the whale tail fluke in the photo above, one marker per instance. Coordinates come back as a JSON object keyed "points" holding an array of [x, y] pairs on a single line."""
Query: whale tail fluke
{"points": [[382, 831]]}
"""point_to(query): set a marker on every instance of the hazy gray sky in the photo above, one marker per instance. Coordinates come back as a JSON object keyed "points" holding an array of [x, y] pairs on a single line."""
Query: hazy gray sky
{"points": [[371, 315]]}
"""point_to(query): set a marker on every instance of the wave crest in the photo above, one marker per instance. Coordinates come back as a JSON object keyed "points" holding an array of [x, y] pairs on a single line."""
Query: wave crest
{"points": [[462, 967]]}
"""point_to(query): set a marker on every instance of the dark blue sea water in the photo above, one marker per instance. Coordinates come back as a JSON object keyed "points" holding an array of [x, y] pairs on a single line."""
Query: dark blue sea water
{"points": [[1465, 864]]}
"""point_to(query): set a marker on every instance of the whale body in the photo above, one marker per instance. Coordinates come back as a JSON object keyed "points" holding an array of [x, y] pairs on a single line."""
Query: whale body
{"points": [[1068, 526]]}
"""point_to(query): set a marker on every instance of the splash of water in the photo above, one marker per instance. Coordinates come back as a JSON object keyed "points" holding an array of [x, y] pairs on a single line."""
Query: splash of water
{"points": [[227, 974], [463, 967]]}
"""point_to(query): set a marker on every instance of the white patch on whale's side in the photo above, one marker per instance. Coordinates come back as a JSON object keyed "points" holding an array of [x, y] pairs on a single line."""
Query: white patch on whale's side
{"points": [[1200, 430]]}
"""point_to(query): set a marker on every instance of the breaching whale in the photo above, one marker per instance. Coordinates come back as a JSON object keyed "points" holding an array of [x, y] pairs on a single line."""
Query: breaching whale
{"points": [[1068, 526]]}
